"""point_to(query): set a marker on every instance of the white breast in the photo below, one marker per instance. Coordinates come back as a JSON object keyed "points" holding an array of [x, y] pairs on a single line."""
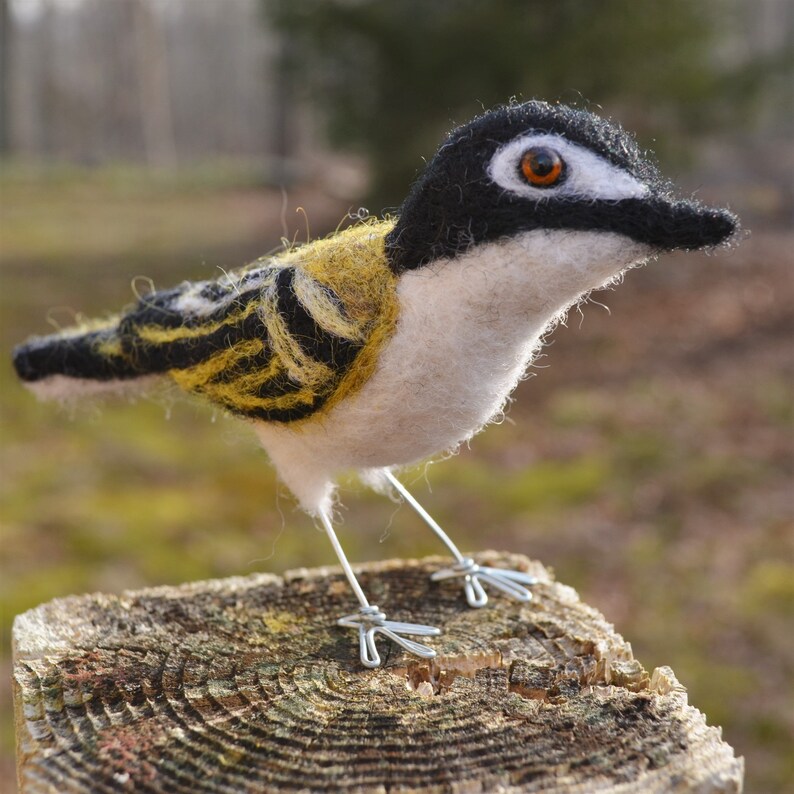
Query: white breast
{"points": [[457, 354], [467, 331]]}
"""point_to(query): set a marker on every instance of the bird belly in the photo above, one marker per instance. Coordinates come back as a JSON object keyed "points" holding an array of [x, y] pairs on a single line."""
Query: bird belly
{"points": [[407, 412], [459, 349], [430, 403]]}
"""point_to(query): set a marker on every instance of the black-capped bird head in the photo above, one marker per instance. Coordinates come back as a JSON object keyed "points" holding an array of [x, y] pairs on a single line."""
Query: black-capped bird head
{"points": [[537, 166]]}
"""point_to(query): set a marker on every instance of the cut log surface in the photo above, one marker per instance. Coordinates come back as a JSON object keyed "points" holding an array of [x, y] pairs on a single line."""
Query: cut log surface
{"points": [[248, 685]]}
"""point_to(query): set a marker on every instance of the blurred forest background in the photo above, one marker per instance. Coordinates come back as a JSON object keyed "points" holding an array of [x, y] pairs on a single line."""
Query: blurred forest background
{"points": [[650, 464]]}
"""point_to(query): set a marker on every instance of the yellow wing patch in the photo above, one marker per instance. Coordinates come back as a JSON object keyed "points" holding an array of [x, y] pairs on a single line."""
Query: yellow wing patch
{"points": [[256, 357]]}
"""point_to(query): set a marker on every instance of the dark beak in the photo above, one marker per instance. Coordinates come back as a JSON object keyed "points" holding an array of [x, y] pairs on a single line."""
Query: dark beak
{"points": [[663, 223], [670, 225]]}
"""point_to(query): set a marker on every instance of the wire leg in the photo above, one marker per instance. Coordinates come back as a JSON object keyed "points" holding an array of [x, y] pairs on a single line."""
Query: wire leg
{"points": [[429, 520], [370, 621], [340, 553], [511, 583]]}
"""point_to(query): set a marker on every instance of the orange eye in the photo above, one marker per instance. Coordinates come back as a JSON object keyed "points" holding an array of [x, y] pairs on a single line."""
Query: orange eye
{"points": [[541, 167]]}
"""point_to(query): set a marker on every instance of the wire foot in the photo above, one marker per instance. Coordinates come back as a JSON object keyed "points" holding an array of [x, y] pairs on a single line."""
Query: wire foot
{"points": [[511, 583], [370, 621]]}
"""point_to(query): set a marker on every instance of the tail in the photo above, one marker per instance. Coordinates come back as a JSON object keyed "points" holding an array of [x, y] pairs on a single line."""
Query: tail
{"points": [[76, 362]]}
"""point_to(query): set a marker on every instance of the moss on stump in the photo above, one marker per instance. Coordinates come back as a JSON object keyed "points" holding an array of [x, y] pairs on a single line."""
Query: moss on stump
{"points": [[247, 685]]}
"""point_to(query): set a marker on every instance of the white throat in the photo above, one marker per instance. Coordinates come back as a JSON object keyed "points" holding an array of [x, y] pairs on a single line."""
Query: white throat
{"points": [[487, 310]]}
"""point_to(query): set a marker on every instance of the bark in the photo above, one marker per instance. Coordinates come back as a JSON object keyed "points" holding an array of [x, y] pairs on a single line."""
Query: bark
{"points": [[247, 684]]}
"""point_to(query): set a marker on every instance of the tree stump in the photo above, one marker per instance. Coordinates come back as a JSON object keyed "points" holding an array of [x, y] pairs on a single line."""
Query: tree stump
{"points": [[247, 685]]}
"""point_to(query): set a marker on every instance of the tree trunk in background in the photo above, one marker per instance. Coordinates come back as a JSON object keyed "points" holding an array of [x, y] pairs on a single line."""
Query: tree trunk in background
{"points": [[5, 63], [153, 82], [283, 136]]}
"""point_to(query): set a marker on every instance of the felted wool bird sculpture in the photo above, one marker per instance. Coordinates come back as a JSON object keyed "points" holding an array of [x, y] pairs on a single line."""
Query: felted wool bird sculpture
{"points": [[397, 339]]}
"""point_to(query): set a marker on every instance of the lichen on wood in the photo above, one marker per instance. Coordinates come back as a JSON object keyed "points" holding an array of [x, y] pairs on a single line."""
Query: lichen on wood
{"points": [[247, 685]]}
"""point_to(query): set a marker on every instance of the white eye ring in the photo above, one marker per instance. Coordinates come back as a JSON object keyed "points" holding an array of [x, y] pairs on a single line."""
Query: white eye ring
{"points": [[587, 175]]}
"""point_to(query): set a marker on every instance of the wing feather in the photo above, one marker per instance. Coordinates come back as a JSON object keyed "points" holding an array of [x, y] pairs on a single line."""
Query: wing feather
{"points": [[274, 349], [280, 340]]}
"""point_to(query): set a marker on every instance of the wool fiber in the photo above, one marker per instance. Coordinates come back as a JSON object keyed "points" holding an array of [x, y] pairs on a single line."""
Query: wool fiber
{"points": [[284, 338], [453, 360]]}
